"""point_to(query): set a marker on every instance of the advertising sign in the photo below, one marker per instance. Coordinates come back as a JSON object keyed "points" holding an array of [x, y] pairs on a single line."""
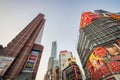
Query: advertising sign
{"points": [[5, 63], [28, 67], [35, 52], [113, 49], [89, 67], [32, 57], [30, 64], [114, 66], [95, 61], [114, 16], [99, 51]]}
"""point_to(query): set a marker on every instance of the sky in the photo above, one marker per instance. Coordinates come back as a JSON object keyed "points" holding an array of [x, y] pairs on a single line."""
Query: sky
{"points": [[62, 22]]}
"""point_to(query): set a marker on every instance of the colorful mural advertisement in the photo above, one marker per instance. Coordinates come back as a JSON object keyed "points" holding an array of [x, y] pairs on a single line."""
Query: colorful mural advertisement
{"points": [[5, 62], [96, 67], [30, 64], [103, 61], [114, 52]]}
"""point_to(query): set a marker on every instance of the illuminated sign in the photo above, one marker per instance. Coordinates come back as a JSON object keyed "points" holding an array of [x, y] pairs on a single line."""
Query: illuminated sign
{"points": [[30, 64], [5, 62]]}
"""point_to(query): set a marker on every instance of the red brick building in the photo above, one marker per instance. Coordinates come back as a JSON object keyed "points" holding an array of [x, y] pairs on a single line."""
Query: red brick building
{"points": [[22, 55]]}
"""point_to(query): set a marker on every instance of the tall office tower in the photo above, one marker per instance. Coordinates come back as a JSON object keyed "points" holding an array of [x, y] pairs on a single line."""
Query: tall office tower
{"points": [[63, 60], [22, 55], [54, 49], [52, 62], [53, 55], [99, 48]]}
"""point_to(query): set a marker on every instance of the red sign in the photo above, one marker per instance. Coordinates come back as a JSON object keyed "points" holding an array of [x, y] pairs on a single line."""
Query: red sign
{"points": [[99, 51], [87, 17], [114, 66], [33, 57], [63, 51]]}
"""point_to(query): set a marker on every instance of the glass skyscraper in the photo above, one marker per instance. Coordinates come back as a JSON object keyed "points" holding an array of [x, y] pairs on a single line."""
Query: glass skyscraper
{"points": [[99, 47], [54, 49], [52, 62]]}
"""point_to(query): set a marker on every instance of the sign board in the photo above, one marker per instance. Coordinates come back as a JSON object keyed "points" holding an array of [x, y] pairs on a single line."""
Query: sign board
{"points": [[30, 64], [113, 49], [5, 62], [95, 61]]}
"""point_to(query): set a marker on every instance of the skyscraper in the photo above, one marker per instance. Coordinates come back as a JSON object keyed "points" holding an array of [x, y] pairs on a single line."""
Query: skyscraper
{"points": [[23, 53], [52, 63], [54, 49], [99, 48], [53, 55]]}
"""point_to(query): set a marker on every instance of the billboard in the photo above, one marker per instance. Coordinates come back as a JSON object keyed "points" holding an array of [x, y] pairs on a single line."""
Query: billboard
{"points": [[114, 52], [30, 64], [87, 17], [96, 67], [32, 57], [109, 54], [113, 49], [95, 61], [5, 62], [99, 51], [28, 67]]}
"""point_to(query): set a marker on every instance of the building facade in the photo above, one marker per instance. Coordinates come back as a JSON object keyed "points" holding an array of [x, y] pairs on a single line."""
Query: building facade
{"points": [[72, 71], [55, 73], [99, 50], [23, 53], [63, 61]]}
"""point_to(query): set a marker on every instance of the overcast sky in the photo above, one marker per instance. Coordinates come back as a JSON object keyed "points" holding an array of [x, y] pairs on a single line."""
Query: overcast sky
{"points": [[62, 22]]}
